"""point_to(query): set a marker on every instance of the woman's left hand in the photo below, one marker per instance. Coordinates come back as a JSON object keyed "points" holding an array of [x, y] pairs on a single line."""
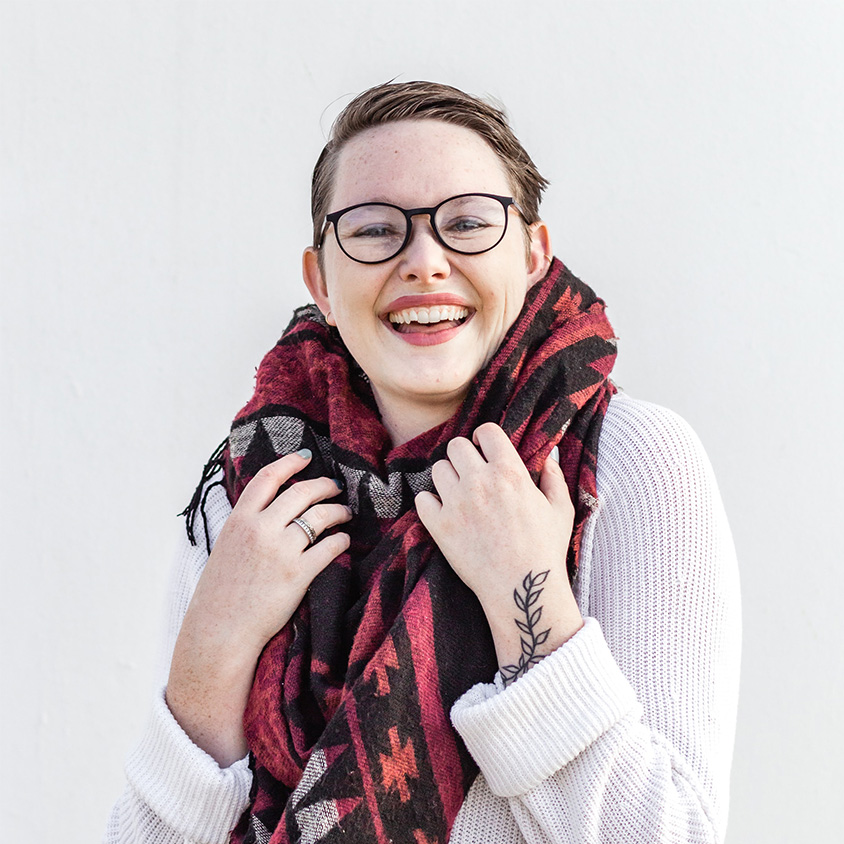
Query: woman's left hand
{"points": [[495, 527]]}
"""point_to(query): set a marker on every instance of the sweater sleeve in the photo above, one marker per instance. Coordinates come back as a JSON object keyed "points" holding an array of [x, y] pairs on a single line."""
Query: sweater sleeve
{"points": [[176, 792], [625, 733]]}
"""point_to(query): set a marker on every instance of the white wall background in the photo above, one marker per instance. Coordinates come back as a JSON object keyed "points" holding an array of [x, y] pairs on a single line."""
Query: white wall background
{"points": [[155, 169]]}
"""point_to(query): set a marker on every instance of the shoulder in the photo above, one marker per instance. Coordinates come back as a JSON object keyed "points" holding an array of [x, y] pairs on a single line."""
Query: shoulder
{"points": [[644, 446], [660, 523], [646, 429], [659, 502]]}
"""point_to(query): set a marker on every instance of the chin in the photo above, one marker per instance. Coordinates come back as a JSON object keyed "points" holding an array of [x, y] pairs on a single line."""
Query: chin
{"points": [[433, 391]]}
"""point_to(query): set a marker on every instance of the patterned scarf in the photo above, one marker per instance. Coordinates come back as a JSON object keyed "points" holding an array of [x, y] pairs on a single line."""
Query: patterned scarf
{"points": [[348, 718]]}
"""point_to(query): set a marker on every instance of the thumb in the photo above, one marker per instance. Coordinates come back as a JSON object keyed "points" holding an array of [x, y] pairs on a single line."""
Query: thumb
{"points": [[553, 484]]}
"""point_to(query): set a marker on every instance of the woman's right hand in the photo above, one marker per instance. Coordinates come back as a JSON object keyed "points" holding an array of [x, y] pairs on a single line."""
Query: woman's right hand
{"points": [[255, 578]]}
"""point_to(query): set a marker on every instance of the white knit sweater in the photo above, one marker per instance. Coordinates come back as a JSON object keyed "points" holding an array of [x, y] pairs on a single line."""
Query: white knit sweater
{"points": [[624, 734]]}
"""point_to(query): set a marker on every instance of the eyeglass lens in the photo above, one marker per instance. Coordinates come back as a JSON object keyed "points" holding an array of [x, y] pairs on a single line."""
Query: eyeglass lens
{"points": [[467, 224]]}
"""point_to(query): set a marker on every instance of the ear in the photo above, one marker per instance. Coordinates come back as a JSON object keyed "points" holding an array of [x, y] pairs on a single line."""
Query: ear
{"points": [[315, 282], [539, 252]]}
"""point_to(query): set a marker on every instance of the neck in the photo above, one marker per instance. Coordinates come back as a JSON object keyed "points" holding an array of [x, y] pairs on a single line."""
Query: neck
{"points": [[406, 418]]}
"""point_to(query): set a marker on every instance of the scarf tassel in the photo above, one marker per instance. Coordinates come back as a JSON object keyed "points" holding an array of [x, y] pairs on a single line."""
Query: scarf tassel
{"points": [[216, 463]]}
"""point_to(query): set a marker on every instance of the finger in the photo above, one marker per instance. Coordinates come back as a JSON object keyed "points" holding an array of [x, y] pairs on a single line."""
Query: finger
{"points": [[463, 456], [428, 506], [553, 484], [444, 477], [300, 496], [324, 516], [264, 486], [494, 444], [318, 518], [306, 529], [321, 553]]}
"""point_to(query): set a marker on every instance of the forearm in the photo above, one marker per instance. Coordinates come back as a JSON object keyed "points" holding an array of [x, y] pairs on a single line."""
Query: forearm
{"points": [[212, 668], [207, 691]]}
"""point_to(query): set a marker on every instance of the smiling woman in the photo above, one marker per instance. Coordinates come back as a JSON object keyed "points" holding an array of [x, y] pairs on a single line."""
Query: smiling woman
{"points": [[451, 585], [420, 375]]}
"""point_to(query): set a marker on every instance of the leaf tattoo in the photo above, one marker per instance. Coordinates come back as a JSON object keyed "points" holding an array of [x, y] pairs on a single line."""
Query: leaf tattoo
{"points": [[530, 639]]}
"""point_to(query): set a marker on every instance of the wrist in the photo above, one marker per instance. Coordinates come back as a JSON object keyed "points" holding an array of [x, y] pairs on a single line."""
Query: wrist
{"points": [[210, 710], [532, 621]]}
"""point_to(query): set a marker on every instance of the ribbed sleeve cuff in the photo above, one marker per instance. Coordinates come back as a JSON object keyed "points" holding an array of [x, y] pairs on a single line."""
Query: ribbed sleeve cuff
{"points": [[182, 784], [521, 735]]}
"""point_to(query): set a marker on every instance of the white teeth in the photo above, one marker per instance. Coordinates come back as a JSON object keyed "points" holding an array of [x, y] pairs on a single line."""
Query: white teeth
{"points": [[426, 316]]}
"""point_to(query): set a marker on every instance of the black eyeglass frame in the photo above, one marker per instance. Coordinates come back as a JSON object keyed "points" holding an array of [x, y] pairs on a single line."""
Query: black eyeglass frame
{"points": [[332, 218]]}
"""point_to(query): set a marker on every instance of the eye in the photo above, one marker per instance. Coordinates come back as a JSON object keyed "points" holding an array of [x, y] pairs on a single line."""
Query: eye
{"points": [[465, 224], [374, 230]]}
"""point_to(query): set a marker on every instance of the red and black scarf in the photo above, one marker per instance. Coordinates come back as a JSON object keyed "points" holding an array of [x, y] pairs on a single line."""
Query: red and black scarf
{"points": [[348, 718]]}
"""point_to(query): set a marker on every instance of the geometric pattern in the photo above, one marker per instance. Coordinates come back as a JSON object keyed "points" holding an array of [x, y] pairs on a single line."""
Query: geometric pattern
{"points": [[315, 820], [287, 434]]}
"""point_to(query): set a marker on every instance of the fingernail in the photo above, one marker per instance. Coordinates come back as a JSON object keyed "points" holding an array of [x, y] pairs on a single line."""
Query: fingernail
{"points": [[555, 453], [305, 453], [339, 482]]}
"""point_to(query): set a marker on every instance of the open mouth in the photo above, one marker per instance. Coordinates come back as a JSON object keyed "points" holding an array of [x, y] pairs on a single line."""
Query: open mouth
{"points": [[428, 320]]}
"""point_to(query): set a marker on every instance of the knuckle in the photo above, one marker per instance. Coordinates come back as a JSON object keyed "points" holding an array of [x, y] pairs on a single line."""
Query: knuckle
{"points": [[508, 476], [329, 547], [267, 472], [328, 487], [267, 477], [339, 543], [320, 515], [340, 513], [300, 492], [310, 491]]}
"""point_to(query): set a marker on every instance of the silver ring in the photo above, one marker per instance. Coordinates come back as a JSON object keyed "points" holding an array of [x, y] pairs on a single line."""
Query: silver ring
{"points": [[307, 527]]}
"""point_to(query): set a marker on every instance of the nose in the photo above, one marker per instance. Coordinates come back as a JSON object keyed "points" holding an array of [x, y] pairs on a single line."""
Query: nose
{"points": [[424, 258]]}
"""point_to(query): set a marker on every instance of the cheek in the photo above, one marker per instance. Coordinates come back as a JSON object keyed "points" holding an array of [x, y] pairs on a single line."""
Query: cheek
{"points": [[341, 306], [350, 315], [506, 300]]}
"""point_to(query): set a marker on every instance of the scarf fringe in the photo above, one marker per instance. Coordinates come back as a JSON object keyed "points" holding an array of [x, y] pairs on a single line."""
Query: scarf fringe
{"points": [[216, 463]]}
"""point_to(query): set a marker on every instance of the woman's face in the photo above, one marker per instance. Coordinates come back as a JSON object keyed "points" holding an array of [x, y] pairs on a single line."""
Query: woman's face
{"points": [[416, 164]]}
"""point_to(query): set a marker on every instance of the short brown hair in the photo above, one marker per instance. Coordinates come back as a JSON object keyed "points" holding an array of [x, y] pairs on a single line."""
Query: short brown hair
{"points": [[395, 101]]}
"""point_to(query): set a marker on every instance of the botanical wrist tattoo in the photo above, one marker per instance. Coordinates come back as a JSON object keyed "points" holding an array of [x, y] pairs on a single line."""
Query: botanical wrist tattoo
{"points": [[530, 639]]}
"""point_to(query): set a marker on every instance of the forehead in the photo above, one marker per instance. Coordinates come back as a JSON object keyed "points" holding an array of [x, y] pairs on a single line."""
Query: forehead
{"points": [[416, 163]]}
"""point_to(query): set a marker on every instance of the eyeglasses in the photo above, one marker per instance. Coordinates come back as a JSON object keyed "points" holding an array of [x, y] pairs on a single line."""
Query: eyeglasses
{"points": [[374, 232]]}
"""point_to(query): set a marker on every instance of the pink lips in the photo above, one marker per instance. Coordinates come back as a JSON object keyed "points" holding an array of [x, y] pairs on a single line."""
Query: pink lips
{"points": [[422, 301]]}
